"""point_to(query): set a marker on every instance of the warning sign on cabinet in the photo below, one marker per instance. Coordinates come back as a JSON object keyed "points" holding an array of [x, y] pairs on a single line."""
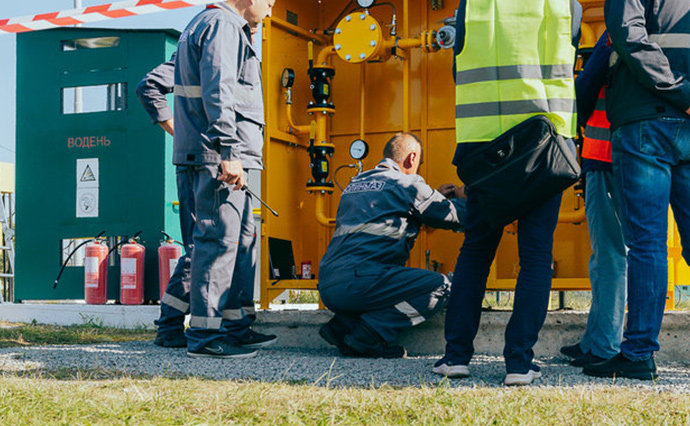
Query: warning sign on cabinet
{"points": [[87, 187]]}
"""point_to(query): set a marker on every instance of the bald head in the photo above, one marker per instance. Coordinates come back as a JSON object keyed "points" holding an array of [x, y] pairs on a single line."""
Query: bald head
{"points": [[406, 150]]}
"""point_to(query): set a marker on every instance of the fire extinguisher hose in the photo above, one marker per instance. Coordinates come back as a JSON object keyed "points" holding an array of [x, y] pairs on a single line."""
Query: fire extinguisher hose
{"points": [[64, 264]]}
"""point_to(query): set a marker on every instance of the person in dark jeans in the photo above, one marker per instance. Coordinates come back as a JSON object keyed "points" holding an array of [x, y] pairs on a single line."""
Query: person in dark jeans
{"points": [[496, 77], [648, 105]]}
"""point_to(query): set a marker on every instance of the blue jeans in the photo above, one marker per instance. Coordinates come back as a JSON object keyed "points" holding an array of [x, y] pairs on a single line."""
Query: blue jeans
{"points": [[535, 244], [651, 166], [607, 267]]}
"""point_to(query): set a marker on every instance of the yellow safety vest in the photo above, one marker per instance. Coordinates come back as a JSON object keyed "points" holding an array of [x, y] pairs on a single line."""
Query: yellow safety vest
{"points": [[517, 62]]}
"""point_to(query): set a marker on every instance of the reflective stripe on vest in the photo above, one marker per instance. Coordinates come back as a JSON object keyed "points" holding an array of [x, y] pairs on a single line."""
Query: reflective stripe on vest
{"points": [[507, 74], [597, 141]]}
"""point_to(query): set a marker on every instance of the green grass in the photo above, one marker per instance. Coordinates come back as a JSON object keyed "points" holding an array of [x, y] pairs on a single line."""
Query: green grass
{"points": [[12, 335], [45, 400], [303, 296]]}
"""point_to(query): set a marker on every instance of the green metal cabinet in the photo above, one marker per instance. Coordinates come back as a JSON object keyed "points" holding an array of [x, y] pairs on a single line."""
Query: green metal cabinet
{"points": [[88, 157]]}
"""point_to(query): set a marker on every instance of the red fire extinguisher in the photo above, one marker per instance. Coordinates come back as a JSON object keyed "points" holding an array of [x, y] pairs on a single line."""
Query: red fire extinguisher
{"points": [[96, 273], [169, 254], [132, 273]]}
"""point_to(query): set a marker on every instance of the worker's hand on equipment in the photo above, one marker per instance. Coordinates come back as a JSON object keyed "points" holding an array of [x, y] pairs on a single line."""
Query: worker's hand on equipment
{"points": [[231, 172], [450, 190], [167, 125], [447, 190]]}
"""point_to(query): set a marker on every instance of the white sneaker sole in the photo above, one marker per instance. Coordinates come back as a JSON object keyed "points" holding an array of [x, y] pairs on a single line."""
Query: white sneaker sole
{"points": [[516, 379], [233, 356], [452, 371], [260, 345]]}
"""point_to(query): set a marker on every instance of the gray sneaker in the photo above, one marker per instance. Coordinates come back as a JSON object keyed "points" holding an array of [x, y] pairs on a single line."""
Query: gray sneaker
{"points": [[220, 349], [451, 371], [518, 379]]}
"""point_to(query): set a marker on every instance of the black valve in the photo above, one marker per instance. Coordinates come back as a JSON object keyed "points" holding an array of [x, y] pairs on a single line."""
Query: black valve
{"points": [[321, 87], [320, 167]]}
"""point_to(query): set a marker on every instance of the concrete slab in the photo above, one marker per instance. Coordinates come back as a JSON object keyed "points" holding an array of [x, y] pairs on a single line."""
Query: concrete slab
{"points": [[298, 328]]}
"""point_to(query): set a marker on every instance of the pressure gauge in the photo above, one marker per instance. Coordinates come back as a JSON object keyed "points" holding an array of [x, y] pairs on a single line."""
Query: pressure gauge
{"points": [[359, 149], [288, 78], [366, 3]]}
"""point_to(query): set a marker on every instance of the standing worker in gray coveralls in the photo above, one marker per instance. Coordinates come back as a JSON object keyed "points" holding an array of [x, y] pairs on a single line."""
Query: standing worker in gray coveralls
{"points": [[363, 278], [219, 119], [151, 91]]}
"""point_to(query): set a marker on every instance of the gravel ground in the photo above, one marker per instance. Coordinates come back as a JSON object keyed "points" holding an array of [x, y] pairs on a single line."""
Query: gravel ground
{"points": [[323, 368]]}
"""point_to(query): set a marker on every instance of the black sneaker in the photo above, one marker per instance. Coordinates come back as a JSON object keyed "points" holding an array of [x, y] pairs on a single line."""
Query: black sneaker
{"points": [[221, 349], [255, 340], [171, 340], [331, 334], [620, 366], [373, 350], [572, 351], [334, 332], [586, 359]]}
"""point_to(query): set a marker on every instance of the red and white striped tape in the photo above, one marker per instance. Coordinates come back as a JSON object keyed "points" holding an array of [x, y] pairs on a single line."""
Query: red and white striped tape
{"points": [[85, 15]]}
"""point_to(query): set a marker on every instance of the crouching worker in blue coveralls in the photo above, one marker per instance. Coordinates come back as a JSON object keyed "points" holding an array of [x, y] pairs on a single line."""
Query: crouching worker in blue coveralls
{"points": [[363, 278]]}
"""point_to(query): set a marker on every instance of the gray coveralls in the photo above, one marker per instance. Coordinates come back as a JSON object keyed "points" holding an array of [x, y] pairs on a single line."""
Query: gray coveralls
{"points": [[219, 115], [151, 91], [362, 275]]}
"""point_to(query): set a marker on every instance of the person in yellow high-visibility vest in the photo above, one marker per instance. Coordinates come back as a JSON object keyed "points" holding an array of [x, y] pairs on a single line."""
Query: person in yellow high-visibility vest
{"points": [[514, 60]]}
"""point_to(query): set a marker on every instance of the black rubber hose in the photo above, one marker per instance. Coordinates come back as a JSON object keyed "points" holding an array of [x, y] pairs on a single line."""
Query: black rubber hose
{"points": [[62, 269]]}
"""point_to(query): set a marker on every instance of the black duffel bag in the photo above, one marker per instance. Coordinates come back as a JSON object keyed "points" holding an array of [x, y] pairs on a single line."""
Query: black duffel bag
{"points": [[519, 170]]}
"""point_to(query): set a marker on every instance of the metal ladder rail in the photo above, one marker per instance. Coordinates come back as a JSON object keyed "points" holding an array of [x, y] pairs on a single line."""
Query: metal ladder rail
{"points": [[8, 234]]}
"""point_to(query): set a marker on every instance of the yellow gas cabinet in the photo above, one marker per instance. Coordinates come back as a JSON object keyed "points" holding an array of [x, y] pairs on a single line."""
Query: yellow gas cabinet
{"points": [[337, 71]]}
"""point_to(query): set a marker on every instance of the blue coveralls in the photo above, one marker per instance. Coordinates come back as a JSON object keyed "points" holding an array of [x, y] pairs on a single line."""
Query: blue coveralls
{"points": [[362, 275], [219, 115]]}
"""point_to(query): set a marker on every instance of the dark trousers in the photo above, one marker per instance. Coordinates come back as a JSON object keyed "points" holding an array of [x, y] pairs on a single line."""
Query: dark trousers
{"points": [[175, 301], [387, 298], [535, 244]]}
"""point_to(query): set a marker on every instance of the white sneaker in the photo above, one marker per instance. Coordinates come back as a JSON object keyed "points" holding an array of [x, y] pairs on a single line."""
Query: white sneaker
{"points": [[452, 371], [517, 379]]}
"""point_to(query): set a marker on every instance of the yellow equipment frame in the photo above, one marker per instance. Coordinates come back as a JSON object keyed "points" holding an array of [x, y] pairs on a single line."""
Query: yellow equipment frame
{"points": [[412, 91]]}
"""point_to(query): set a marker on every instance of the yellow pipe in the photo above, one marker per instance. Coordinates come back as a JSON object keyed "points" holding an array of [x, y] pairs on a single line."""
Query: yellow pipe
{"points": [[297, 30], [321, 211], [322, 58], [403, 43], [362, 102], [406, 68], [575, 216], [321, 128], [292, 127]]}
